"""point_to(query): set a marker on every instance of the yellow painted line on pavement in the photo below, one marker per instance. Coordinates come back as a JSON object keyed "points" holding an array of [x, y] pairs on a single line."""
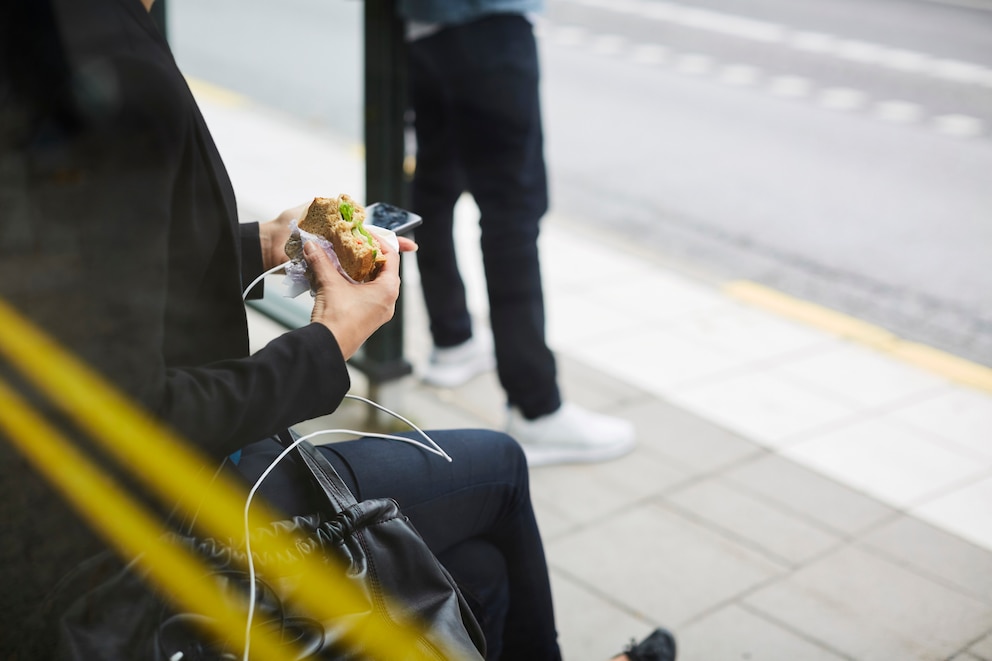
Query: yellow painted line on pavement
{"points": [[211, 93], [215, 94], [939, 362]]}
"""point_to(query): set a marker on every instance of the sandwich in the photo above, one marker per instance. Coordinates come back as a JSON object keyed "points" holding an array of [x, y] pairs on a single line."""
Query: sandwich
{"points": [[341, 221]]}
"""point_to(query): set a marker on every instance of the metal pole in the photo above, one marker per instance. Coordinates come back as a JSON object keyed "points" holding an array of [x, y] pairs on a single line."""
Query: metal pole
{"points": [[381, 359]]}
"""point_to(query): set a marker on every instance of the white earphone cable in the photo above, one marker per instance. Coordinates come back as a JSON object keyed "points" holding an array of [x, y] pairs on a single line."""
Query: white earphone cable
{"points": [[244, 294], [433, 448]]}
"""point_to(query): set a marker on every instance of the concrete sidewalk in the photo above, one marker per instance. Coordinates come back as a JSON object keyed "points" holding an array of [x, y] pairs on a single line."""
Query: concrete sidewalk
{"points": [[806, 487]]}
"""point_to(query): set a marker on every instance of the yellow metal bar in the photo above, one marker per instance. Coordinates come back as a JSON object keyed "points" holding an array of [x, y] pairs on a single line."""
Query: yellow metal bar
{"points": [[155, 454], [173, 469], [132, 529]]}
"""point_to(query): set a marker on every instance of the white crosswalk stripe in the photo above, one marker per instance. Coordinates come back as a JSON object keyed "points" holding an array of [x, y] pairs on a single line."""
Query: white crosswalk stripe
{"points": [[842, 98], [767, 32], [960, 126], [791, 87], [898, 112], [740, 74], [693, 64]]}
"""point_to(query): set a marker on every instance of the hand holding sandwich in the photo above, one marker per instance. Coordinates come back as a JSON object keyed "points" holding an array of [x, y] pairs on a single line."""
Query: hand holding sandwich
{"points": [[274, 234], [352, 311]]}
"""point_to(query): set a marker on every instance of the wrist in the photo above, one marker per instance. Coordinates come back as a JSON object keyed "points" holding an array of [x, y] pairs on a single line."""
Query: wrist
{"points": [[347, 345], [265, 243]]}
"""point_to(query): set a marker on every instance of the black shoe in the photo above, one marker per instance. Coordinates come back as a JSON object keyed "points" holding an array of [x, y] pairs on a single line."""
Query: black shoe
{"points": [[659, 646]]}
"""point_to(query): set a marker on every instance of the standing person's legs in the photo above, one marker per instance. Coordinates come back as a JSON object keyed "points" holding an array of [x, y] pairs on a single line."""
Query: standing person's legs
{"points": [[487, 73], [497, 121], [437, 185], [465, 510]]}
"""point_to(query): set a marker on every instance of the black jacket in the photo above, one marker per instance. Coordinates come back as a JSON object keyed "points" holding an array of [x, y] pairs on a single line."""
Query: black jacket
{"points": [[119, 237], [131, 253]]}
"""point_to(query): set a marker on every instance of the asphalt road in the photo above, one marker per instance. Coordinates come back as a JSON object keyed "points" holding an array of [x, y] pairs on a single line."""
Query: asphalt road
{"points": [[838, 150]]}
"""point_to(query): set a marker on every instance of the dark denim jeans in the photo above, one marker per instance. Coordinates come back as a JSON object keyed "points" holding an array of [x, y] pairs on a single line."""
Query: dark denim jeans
{"points": [[474, 513], [477, 119]]}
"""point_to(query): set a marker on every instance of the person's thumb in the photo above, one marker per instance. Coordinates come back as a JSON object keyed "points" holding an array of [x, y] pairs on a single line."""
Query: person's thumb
{"points": [[319, 264], [320, 273]]}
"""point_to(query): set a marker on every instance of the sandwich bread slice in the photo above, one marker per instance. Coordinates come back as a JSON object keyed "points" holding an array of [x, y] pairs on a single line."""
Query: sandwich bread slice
{"points": [[341, 221]]}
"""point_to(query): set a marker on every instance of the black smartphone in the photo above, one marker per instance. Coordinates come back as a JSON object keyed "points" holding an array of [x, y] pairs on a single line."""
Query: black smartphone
{"points": [[391, 218]]}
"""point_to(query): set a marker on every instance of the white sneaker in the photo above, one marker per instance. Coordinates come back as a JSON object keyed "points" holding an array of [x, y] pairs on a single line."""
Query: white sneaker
{"points": [[454, 366], [571, 434]]}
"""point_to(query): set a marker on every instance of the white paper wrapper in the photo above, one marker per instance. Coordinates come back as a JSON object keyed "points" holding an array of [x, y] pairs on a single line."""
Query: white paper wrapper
{"points": [[296, 281]]}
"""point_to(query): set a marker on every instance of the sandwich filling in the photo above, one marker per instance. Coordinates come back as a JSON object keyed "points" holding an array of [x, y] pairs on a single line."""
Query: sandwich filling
{"points": [[341, 221], [347, 211]]}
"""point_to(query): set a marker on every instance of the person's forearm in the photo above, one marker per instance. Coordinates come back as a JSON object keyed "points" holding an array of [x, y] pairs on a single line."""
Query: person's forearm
{"points": [[223, 406]]}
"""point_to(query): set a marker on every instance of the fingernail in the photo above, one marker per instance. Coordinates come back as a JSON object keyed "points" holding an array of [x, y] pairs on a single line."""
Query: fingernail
{"points": [[308, 248]]}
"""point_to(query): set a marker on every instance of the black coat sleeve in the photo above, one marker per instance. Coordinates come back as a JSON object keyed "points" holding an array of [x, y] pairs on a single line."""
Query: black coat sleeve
{"points": [[251, 258], [229, 404]]}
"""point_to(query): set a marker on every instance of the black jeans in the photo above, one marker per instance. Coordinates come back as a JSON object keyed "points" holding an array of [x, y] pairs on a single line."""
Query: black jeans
{"points": [[474, 513], [477, 119]]}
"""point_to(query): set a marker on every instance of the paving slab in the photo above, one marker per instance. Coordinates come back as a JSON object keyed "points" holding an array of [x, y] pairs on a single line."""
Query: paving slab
{"points": [[735, 633], [936, 553], [595, 389], [964, 510], [957, 414], [894, 464], [765, 406], [586, 495], [657, 360], [688, 440], [870, 608], [983, 648], [880, 381], [592, 626], [809, 494], [781, 535], [482, 398], [663, 566], [749, 337]]}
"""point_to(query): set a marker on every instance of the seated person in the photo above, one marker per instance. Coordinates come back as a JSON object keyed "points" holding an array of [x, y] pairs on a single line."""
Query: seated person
{"points": [[120, 238]]}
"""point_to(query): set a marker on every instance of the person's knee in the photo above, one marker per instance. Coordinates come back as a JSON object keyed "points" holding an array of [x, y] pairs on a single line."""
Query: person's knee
{"points": [[488, 455], [509, 453]]}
